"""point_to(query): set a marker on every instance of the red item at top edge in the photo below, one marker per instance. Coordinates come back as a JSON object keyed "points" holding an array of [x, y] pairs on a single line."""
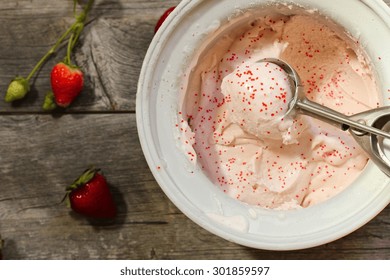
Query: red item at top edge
{"points": [[163, 18]]}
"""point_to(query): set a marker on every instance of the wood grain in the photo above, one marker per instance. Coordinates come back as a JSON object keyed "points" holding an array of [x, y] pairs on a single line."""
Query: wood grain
{"points": [[115, 41], [41, 153], [36, 226]]}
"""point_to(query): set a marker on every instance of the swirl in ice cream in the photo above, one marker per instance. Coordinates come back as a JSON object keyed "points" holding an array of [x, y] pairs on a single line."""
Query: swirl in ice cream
{"points": [[231, 118]]}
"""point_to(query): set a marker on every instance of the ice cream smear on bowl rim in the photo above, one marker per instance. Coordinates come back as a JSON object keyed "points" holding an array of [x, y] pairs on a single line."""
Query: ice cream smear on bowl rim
{"points": [[232, 120]]}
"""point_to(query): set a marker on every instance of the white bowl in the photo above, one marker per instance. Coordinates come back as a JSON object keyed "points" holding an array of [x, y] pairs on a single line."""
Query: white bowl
{"points": [[171, 50]]}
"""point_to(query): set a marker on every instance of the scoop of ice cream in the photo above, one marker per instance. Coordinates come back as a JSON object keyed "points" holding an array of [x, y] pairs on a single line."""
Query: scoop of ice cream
{"points": [[258, 96]]}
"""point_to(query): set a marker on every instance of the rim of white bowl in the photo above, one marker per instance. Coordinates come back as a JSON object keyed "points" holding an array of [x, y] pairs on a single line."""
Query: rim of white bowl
{"points": [[372, 193]]}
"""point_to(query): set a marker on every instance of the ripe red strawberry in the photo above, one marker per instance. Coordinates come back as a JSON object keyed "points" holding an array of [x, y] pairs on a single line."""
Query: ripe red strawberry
{"points": [[163, 18], [90, 196], [66, 82]]}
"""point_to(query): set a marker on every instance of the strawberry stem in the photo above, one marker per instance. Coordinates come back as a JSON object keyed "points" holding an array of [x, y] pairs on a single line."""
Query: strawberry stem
{"points": [[67, 59], [74, 7], [88, 7], [77, 27], [50, 52]]}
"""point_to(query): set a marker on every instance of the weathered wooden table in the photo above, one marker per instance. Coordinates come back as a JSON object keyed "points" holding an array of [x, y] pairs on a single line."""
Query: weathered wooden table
{"points": [[41, 153]]}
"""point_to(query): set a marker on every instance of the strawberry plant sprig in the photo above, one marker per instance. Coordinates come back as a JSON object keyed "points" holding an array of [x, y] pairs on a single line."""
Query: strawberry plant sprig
{"points": [[20, 86]]}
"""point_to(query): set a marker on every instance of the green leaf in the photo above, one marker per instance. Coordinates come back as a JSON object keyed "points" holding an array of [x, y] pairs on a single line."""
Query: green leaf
{"points": [[83, 179]]}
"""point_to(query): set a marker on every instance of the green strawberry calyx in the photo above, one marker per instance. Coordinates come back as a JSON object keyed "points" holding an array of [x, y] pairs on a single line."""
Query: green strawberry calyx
{"points": [[71, 67], [49, 103], [79, 182]]}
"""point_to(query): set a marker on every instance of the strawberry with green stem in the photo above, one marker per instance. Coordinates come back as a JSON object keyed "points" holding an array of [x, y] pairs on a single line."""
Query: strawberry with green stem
{"points": [[89, 195], [20, 86], [67, 80]]}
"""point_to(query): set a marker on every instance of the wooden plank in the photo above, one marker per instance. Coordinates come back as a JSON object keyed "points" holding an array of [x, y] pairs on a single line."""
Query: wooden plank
{"points": [[49, 152]]}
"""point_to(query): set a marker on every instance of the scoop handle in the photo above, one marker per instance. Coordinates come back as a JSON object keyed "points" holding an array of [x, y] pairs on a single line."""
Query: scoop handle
{"points": [[333, 117]]}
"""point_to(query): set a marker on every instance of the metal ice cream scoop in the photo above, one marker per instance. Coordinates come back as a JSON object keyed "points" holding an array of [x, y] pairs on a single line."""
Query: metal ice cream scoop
{"points": [[365, 127]]}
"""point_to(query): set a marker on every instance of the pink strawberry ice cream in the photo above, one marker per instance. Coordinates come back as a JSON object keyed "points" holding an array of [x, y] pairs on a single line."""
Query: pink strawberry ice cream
{"points": [[231, 113], [257, 97]]}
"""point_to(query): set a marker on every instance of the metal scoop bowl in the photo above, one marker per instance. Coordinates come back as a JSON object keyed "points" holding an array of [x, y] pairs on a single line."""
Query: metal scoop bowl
{"points": [[365, 127]]}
